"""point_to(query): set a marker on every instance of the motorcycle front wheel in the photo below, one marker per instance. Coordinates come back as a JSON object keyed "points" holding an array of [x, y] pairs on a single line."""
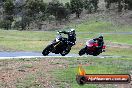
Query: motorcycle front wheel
{"points": [[46, 51], [82, 51]]}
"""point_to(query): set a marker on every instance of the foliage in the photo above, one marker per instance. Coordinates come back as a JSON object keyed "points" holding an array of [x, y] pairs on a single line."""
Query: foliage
{"points": [[58, 10], [6, 24], [76, 7], [126, 4], [36, 11], [33, 10], [8, 7], [129, 2], [67, 5], [91, 5]]}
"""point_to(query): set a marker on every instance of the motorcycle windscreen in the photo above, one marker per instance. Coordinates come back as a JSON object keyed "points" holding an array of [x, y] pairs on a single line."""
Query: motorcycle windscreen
{"points": [[90, 43], [58, 38]]}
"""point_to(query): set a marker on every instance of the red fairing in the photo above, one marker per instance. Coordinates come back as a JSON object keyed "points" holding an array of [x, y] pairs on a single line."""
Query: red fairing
{"points": [[95, 44], [104, 47], [91, 43], [92, 48]]}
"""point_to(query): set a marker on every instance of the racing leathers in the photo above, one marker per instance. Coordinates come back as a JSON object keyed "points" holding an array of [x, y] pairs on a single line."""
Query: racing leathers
{"points": [[100, 42], [71, 37]]}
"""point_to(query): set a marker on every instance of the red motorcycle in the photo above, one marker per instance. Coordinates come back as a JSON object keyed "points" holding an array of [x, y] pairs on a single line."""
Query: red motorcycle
{"points": [[91, 48]]}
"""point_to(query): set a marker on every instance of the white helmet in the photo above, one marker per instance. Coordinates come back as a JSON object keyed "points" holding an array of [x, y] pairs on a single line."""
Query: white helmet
{"points": [[72, 30]]}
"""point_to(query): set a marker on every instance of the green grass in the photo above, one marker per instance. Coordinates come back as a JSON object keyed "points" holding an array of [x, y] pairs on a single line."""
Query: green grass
{"points": [[36, 41], [26, 35], [28, 82], [118, 52], [65, 77], [25, 40], [101, 26], [92, 66], [117, 38]]}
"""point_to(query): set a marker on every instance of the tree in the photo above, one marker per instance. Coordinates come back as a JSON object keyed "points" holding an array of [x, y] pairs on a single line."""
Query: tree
{"points": [[128, 4], [88, 6], [76, 7], [68, 9], [8, 7], [58, 10], [118, 2], [1, 2], [33, 7], [95, 4], [68, 6], [62, 13], [53, 7], [32, 11]]}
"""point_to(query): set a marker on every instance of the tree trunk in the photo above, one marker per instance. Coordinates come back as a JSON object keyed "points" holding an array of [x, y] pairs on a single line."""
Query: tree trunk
{"points": [[77, 15]]}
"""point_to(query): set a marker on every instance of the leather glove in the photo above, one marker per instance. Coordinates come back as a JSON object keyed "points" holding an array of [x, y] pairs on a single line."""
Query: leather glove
{"points": [[58, 32]]}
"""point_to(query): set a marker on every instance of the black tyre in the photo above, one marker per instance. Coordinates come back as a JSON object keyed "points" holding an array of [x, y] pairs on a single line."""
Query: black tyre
{"points": [[96, 54], [82, 51], [46, 51], [81, 80], [65, 52]]}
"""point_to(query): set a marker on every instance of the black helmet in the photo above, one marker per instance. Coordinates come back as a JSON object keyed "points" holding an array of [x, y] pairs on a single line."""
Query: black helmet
{"points": [[101, 36]]}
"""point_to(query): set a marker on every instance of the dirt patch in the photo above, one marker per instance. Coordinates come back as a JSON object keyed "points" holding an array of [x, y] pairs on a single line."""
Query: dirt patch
{"points": [[14, 70], [119, 45]]}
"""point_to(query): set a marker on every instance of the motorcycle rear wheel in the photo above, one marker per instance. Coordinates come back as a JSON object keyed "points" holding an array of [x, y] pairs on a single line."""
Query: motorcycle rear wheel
{"points": [[97, 53], [65, 52]]}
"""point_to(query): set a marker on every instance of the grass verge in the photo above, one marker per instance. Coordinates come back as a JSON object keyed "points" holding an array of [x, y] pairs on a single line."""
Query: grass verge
{"points": [[92, 66], [36, 41], [59, 72]]}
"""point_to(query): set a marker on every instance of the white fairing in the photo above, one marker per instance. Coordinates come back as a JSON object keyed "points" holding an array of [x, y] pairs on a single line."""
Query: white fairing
{"points": [[72, 30], [87, 42]]}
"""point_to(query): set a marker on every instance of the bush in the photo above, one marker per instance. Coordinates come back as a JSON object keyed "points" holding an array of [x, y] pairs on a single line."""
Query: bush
{"points": [[130, 4], [6, 24], [58, 10], [77, 7]]}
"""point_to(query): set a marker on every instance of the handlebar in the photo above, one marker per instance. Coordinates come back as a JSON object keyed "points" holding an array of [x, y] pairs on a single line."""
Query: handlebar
{"points": [[58, 33]]}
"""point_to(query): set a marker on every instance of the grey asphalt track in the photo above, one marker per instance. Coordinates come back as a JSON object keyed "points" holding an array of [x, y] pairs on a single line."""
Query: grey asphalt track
{"points": [[13, 55], [9, 55]]}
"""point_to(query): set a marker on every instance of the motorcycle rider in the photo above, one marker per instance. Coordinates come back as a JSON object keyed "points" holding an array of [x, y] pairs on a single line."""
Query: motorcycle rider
{"points": [[71, 36], [100, 42]]}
